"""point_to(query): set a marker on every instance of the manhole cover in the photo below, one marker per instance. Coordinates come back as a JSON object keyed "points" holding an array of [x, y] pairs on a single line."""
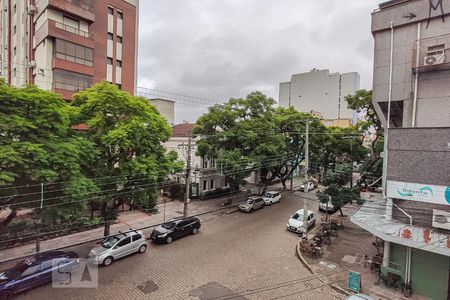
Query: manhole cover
{"points": [[148, 287]]}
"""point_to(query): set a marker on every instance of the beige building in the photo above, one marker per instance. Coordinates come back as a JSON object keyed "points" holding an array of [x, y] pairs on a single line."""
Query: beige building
{"points": [[321, 91], [205, 174], [166, 108]]}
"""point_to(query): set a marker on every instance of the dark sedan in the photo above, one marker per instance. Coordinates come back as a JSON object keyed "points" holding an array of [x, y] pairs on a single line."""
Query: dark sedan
{"points": [[34, 272], [174, 229]]}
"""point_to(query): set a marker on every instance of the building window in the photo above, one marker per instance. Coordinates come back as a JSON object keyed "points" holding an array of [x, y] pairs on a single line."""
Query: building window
{"points": [[73, 52], [212, 184], [204, 163], [119, 39], [14, 8], [110, 10], [119, 63], [109, 60], [14, 72], [119, 15], [205, 185], [14, 51], [70, 81], [14, 29], [110, 36]]}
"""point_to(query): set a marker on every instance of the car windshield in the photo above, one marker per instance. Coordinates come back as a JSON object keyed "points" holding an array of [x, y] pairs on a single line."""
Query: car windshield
{"points": [[109, 242], [168, 225], [297, 216], [250, 201], [268, 195]]}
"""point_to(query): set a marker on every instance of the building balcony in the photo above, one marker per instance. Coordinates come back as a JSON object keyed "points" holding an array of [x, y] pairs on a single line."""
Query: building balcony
{"points": [[371, 217], [64, 32], [82, 9], [58, 63], [431, 54]]}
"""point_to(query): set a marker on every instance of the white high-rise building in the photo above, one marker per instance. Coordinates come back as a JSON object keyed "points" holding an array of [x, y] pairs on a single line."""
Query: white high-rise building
{"points": [[320, 91]]}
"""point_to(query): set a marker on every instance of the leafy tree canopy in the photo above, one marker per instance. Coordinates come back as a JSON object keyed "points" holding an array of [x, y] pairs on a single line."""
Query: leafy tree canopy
{"points": [[37, 145], [129, 134]]}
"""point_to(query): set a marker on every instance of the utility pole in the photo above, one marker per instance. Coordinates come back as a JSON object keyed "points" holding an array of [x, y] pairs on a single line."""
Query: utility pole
{"points": [[188, 177], [306, 189]]}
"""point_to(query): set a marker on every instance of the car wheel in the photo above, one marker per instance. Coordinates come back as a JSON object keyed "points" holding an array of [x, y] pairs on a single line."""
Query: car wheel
{"points": [[6, 295], [169, 239], [194, 230], [108, 261], [142, 248]]}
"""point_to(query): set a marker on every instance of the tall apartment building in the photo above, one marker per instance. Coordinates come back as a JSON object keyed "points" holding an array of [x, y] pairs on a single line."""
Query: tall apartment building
{"points": [[68, 45], [412, 38], [320, 91]]}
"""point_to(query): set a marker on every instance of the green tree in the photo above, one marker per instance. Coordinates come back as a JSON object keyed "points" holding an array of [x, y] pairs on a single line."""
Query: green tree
{"points": [[37, 145], [236, 134], [290, 128], [129, 134], [336, 189], [371, 128]]}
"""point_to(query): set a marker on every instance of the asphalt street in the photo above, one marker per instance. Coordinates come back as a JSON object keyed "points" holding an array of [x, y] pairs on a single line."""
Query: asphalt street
{"points": [[234, 256]]}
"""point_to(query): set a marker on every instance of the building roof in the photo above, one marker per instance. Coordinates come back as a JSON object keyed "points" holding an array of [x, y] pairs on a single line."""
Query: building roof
{"points": [[371, 217], [182, 130], [391, 3], [161, 99]]}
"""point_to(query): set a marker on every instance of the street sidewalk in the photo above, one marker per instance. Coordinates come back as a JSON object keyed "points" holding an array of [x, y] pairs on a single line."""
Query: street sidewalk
{"points": [[347, 252]]}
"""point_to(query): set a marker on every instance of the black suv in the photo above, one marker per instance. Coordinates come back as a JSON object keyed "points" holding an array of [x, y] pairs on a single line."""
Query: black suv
{"points": [[174, 229], [35, 271]]}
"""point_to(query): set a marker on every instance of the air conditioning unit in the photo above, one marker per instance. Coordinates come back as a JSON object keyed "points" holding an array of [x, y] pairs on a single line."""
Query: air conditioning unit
{"points": [[32, 64], [32, 10], [441, 219], [435, 55]]}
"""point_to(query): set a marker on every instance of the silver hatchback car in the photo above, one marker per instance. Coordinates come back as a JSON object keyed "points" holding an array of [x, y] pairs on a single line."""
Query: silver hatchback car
{"points": [[118, 246]]}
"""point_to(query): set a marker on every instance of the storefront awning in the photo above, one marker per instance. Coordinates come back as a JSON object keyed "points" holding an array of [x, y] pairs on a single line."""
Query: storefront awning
{"points": [[371, 217]]}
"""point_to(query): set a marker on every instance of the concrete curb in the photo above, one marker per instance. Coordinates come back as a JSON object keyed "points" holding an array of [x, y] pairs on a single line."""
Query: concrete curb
{"points": [[305, 263], [232, 211]]}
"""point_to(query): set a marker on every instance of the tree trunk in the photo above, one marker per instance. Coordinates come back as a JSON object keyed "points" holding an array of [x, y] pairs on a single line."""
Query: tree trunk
{"points": [[283, 182], [8, 219], [107, 228], [340, 211]]}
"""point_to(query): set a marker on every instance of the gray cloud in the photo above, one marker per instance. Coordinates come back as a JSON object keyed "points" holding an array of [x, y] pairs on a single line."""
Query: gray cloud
{"points": [[218, 49]]}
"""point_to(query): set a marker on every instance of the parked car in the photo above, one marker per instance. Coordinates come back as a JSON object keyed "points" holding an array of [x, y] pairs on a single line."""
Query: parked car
{"points": [[324, 206], [252, 203], [118, 246], [271, 197], [174, 229], [35, 271], [311, 186], [295, 223]]}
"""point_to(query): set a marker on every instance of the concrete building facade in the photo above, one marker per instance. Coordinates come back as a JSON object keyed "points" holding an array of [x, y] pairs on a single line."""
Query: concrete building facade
{"points": [[412, 39], [68, 45], [166, 109], [205, 174], [320, 91]]}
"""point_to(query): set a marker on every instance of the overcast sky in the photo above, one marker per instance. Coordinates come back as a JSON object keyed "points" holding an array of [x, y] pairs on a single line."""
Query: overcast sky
{"points": [[217, 49]]}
